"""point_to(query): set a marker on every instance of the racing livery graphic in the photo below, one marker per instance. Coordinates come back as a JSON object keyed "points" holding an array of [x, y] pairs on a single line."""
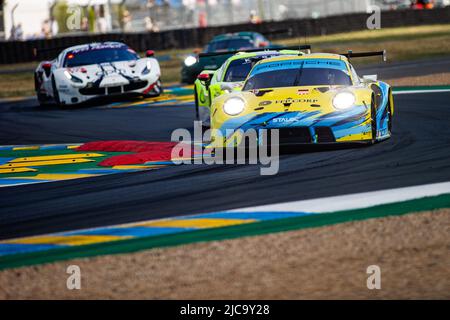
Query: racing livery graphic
{"points": [[312, 99], [85, 72]]}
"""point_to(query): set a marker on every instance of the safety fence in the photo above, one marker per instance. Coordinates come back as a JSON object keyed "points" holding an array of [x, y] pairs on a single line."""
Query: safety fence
{"points": [[24, 51]]}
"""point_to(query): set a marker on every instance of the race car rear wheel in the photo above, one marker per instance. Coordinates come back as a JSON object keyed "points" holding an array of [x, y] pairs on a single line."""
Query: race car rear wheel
{"points": [[389, 110], [373, 121], [55, 93], [389, 124]]}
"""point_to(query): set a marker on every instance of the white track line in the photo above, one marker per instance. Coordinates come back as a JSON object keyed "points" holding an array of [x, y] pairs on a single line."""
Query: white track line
{"points": [[355, 201]]}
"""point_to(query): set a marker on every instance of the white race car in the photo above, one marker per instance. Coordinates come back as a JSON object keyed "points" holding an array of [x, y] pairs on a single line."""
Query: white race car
{"points": [[97, 70]]}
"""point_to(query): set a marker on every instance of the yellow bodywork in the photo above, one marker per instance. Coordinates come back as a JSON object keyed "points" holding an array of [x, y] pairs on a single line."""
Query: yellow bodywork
{"points": [[275, 102], [308, 106]]}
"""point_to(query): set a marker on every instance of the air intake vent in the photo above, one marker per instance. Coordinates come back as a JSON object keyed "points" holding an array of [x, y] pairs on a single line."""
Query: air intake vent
{"points": [[292, 135], [324, 135]]}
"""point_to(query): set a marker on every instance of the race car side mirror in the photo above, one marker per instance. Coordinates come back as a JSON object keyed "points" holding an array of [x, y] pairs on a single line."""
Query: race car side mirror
{"points": [[47, 66], [150, 53], [263, 44], [204, 77], [227, 87], [370, 78]]}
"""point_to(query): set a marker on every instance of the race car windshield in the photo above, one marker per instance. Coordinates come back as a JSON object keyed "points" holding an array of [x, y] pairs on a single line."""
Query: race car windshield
{"points": [[97, 56], [238, 70], [229, 45], [297, 78]]}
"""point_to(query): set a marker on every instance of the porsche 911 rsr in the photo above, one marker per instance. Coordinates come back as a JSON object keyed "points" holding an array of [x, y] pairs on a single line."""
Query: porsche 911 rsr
{"points": [[309, 99], [230, 76], [96, 70]]}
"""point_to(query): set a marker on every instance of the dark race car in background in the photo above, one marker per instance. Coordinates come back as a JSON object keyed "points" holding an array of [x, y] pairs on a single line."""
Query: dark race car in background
{"points": [[89, 71], [230, 42]]}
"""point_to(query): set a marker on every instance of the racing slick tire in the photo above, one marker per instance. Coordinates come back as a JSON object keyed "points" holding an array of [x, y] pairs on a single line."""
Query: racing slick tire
{"points": [[205, 126], [197, 111], [156, 91], [42, 98], [389, 110], [373, 121], [55, 93]]}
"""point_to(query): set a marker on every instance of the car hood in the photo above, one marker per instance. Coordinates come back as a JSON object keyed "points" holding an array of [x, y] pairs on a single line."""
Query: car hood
{"points": [[211, 63], [127, 69], [303, 100]]}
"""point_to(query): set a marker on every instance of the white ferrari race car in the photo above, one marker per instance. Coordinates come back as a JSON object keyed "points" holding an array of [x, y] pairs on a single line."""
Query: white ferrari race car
{"points": [[97, 70]]}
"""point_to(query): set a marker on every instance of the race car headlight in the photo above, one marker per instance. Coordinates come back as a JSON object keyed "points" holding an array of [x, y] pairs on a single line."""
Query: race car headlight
{"points": [[234, 106], [190, 61], [147, 68], [71, 77], [344, 100], [68, 75]]}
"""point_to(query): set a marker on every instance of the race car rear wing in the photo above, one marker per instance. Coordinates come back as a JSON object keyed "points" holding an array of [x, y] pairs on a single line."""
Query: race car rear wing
{"points": [[230, 53], [350, 54]]}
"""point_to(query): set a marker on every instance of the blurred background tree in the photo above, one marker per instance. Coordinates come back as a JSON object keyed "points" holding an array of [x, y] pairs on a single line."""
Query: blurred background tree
{"points": [[60, 14]]}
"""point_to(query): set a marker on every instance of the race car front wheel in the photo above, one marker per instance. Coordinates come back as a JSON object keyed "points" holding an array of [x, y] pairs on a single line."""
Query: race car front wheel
{"points": [[197, 111], [55, 93], [156, 91], [158, 88], [42, 98]]}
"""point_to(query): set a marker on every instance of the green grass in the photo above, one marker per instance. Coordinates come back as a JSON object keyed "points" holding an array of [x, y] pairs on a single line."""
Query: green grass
{"points": [[405, 43], [16, 84], [402, 44], [381, 35]]}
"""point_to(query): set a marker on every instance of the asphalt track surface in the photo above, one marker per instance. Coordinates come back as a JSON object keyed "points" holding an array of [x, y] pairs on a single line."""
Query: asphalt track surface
{"points": [[418, 153]]}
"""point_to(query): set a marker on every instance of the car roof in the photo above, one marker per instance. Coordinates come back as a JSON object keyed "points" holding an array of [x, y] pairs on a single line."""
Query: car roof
{"points": [[236, 35], [243, 55], [247, 33], [88, 46], [331, 56]]}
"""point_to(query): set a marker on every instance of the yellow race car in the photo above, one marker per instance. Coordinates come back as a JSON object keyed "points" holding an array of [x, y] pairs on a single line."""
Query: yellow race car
{"points": [[311, 99]]}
